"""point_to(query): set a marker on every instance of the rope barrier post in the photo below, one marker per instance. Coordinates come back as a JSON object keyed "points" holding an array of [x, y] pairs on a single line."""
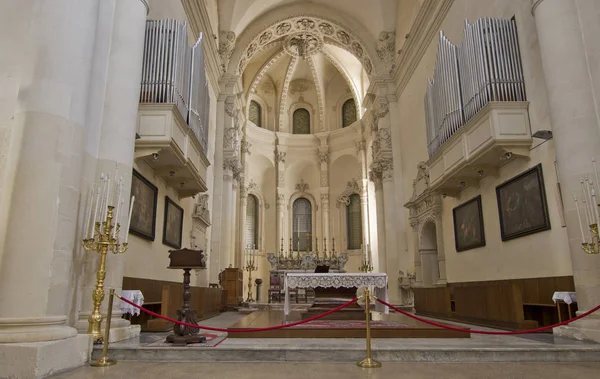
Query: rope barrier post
{"points": [[105, 361], [368, 362]]}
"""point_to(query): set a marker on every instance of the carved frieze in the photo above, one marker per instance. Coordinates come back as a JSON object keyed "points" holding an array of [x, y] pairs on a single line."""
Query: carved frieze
{"points": [[317, 28], [325, 201], [386, 50], [226, 45], [385, 138], [324, 178]]}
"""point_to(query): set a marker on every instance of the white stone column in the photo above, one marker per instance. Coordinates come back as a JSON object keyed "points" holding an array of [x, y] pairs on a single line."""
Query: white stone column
{"points": [[568, 38], [39, 207], [216, 264], [226, 221], [391, 240], [323, 154], [364, 194], [236, 258], [118, 82], [326, 239], [381, 264], [243, 190]]}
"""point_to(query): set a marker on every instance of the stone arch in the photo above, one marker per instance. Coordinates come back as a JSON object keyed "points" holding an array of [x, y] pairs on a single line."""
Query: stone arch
{"points": [[428, 252], [329, 23]]}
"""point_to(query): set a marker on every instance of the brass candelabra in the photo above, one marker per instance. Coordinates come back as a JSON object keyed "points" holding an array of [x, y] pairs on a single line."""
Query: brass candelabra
{"points": [[250, 266], [365, 266], [592, 247], [105, 238]]}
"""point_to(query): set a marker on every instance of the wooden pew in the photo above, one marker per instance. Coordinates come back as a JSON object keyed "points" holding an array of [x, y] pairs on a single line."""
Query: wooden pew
{"points": [[166, 298]]}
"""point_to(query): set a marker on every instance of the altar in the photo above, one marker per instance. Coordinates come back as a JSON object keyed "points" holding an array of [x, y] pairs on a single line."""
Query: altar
{"points": [[335, 289]]}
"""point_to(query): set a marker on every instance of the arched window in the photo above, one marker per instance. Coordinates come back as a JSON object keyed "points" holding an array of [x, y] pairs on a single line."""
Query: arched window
{"points": [[348, 113], [251, 234], [301, 121], [302, 222], [354, 223], [255, 113]]}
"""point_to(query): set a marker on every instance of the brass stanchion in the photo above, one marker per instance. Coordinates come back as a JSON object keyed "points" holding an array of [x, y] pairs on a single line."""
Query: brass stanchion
{"points": [[105, 361], [368, 362]]}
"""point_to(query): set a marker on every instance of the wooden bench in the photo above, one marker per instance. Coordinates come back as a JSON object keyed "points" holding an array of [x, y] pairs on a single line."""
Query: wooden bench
{"points": [[165, 298]]}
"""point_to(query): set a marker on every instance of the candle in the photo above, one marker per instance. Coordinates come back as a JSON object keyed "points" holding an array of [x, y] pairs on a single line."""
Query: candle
{"points": [[584, 200], [596, 171], [88, 214], [595, 205], [95, 208], [100, 199], [129, 222], [579, 218], [369, 253], [107, 197], [118, 206]]}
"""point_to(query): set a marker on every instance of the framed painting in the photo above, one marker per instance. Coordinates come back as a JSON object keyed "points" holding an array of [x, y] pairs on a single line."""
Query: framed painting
{"points": [[143, 214], [468, 225], [173, 225], [522, 205]]}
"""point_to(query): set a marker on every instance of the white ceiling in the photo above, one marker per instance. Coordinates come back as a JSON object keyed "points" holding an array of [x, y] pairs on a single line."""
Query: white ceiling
{"points": [[374, 15]]}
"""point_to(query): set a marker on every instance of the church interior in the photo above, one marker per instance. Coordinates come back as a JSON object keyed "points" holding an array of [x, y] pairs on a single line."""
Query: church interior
{"points": [[294, 174]]}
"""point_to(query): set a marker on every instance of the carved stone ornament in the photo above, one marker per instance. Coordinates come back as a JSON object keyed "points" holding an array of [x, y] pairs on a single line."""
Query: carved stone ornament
{"points": [[375, 177], [324, 178], [280, 156], [230, 109], [233, 164], [352, 187], [360, 146], [302, 186], [226, 45], [311, 31], [382, 109], [323, 157], [325, 200], [300, 86], [385, 138], [245, 147], [303, 44], [201, 210], [280, 199], [386, 50]]}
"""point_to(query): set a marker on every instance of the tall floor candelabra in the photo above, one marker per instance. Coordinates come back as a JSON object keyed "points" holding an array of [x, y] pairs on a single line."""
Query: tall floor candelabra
{"points": [[590, 210], [102, 235], [250, 266]]}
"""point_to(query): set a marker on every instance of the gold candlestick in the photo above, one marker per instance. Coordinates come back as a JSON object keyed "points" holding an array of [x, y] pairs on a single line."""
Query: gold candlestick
{"points": [[250, 266], [102, 242], [592, 247]]}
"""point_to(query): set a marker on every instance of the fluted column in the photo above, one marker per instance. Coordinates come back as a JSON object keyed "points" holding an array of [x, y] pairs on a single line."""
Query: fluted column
{"points": [[43, 142], [117, 115], [568, 38]]}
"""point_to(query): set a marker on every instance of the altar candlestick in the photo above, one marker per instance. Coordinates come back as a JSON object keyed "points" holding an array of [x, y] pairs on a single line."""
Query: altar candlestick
{"points": [[129, 222], [88, 214], [107, 198], [118, 206], [579, 218]]}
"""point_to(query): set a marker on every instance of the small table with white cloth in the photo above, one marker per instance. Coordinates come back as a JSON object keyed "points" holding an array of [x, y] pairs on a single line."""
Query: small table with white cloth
{"points": [[322, 283], [565, 297], [136, 297]]}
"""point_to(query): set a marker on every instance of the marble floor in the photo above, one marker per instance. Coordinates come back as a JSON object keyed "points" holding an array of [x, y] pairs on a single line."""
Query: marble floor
{"points": [[289, 370]]}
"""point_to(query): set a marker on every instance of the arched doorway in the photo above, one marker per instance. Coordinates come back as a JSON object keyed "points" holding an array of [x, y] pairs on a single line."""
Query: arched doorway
{"points": [[428, 252]]}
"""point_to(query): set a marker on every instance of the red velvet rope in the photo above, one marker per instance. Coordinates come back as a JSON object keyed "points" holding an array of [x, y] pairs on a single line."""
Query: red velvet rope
{"points": [[240, 330], [489, 332]]}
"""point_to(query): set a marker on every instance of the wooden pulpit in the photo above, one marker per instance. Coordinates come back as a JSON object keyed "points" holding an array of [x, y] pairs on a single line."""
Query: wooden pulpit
{"points": [[186, 260]]}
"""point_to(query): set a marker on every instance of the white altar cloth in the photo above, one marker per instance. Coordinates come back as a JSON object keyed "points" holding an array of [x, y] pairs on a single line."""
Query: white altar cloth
{"points": [[376, 282], [135, 296], [567, 297]]}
